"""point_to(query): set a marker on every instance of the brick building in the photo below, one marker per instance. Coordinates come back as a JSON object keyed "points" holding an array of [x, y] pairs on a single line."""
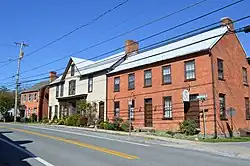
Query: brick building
{"points": [[35, 99], [211, 62]]}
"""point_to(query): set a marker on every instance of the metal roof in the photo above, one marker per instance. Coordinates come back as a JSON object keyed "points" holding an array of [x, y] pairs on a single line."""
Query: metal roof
{"points": [[197, 43]]}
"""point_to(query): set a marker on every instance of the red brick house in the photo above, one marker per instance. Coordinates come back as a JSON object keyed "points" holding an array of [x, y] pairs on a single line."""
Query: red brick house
{"points": [[201, 64], [35, 99]]}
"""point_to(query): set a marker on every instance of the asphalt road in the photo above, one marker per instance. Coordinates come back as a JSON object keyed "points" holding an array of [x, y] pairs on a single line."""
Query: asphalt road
{"points": [[26, 145]]}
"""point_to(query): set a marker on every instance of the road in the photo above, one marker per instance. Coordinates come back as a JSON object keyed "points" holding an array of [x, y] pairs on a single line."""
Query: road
{"points": [[26, 145]]}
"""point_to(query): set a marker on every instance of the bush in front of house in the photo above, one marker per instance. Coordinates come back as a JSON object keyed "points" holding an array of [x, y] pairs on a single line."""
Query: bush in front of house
{"points": [[125, 126], [82, 121], [108, 126], [45, 120], [61, 122], [117, 123], [188, 127], [33, 118]]}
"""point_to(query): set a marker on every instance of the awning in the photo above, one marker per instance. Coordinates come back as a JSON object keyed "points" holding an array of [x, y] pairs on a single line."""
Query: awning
{"points": [[70, 98]]}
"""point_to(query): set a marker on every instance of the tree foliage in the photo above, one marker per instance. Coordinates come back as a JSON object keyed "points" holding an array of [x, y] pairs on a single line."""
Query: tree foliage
{"points": [[87, 110], [7, 100]]}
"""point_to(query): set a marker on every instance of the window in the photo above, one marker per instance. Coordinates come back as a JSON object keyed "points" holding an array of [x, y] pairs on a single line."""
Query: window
{"points": [[50, 112], [131, 110], [247, 108], [30, 97], [190, 70], [116, 108], [72, 73], [90, 84], [220, 69], [244, 70], [166, 74], [222, 107], [131, 81], [147, 78], [72, 87], [57, 90], [117, 84], [35, 96], [24, 98], [61, 90], [56, 111], [167, 109]]}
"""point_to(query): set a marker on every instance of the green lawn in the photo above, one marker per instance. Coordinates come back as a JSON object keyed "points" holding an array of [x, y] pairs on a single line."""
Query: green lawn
{"points": [[234, 139]]}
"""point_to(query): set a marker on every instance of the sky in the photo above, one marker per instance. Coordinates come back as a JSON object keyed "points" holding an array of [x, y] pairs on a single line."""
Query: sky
{"points": [[39, 22]]}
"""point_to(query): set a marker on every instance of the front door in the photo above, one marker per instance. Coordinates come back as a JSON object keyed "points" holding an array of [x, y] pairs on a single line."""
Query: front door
{"points": [[192, 110], [101, 111], [148, 117]]}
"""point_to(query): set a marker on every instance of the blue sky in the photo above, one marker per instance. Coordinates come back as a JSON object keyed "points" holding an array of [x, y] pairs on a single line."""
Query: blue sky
{"points": [[41, 21]]}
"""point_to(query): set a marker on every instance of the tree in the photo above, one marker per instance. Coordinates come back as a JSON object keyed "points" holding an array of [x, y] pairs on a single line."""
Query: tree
{"points": [[87, 110], [7, 101]]}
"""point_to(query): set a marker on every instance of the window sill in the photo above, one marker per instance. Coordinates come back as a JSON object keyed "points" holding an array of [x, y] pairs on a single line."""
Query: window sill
{"points": [[131, 88], [167, 118], [221, 79], [132, 119], [223, 119], [248, 118], [187, 80], [147, 86], [116, 91], [166, 83]]}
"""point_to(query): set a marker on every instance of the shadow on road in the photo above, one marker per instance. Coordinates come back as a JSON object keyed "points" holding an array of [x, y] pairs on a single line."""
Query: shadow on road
{"points": [[12, 156]]}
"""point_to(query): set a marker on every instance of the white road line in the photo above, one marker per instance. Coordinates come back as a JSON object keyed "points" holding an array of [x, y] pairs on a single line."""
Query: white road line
{"points": [[27, 152], [88, 135]]}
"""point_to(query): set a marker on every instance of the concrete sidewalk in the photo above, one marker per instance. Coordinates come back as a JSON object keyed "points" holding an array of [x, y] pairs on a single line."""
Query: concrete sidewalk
{"points": [[238, 150]]}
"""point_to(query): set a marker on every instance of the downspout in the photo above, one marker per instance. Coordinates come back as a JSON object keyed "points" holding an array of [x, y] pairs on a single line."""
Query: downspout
{"points": [[214, 100]]}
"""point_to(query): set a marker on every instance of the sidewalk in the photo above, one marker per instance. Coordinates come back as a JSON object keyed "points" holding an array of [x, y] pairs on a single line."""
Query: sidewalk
{"points": [[234, 149]]}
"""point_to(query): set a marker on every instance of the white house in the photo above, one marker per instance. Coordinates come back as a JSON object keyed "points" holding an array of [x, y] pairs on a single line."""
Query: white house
{"points": [[84, 79]]}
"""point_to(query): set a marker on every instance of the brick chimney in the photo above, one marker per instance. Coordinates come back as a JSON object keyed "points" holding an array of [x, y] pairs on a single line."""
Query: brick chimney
{"points": [[226, 21], [131, 47], [52, 76]]}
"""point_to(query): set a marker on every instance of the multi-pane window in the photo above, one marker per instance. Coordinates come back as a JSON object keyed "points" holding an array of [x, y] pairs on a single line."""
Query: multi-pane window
{"points": [[56, 111], [166, 74], [24, 98], [72, 87], [131, 109], [247, 108], [61, 90], [167, 108], [131, 81], [57, 90], [117, 84], [116, 108], [147, 78], [90, 84], [35, 96], [222, 106], [30, 97], [220, 69], [72, 72], [190, 70], [244, 72]]}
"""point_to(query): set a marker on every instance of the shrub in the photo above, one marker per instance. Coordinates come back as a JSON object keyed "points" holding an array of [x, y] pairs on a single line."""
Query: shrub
{"points": [[188, 127], [125, 126], [72, 120], [61, 122], [101, 125], [82, 121], [33, 118], [45, 120], [108, 126], [117, 123]]}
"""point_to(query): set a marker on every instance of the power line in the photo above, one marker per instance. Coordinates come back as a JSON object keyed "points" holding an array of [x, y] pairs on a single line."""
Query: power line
{"points": [[170, 40], [122, 34], [229, 32], [151, 36], [74, 30]]}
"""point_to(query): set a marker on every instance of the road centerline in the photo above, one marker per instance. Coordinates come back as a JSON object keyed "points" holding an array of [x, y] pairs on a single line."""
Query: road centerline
{"points": [[78, 143]]}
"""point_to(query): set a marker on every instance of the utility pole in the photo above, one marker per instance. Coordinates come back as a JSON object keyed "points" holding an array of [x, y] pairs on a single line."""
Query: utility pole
{"points": [[20, 56]]}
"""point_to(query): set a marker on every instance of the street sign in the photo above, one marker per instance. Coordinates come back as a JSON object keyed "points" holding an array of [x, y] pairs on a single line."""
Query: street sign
{"points": [[185, 95], [202, 97], [231, 111], [130, 102]]}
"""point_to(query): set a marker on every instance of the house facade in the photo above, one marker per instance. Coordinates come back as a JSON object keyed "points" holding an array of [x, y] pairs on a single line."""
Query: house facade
{"points": [[35, 100], [82, 79], [163, 85]]}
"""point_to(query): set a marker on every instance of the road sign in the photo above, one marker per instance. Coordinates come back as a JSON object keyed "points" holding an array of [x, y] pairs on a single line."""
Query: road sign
{"points": [[231, 111], [130, 102], [202, 97], [185, 95]]}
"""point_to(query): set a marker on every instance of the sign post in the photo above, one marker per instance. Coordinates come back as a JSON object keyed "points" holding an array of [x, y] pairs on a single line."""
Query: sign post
{"points": [[129, 105], [202, 98]]}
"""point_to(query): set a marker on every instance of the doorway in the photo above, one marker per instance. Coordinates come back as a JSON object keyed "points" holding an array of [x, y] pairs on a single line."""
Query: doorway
{"points": [[101, 111], [192, 109], [148, 113]]}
